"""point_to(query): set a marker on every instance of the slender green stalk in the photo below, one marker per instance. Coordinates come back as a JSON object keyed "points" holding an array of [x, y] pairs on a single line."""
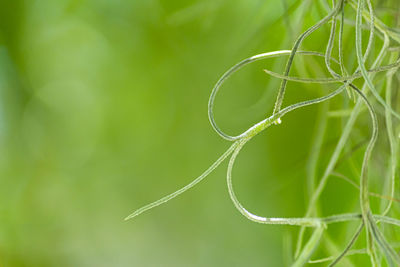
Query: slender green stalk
{"points": [[329, 48], [350, 253], [348, 247], [281, 92], [319, 133], [185, 188], [339, 79], [348, 180], [310, 247], [343, 70], [391, 138]]}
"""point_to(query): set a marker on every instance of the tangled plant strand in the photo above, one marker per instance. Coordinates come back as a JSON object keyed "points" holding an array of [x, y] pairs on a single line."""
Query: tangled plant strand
{"points": [[368, 221]]}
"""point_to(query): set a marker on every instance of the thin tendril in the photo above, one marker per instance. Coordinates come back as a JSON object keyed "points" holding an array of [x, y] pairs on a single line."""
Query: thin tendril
{"points": [[348, 247], [296, 46], [185, 188], [338, 79], [392, 142], [234, 69]]}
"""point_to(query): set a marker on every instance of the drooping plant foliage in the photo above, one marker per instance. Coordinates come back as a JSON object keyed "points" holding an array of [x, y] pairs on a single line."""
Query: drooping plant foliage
{"points": [[377, 50]]}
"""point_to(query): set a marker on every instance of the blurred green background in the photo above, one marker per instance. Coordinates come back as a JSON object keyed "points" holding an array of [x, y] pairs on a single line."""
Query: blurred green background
{"points": [[104, 109]]}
